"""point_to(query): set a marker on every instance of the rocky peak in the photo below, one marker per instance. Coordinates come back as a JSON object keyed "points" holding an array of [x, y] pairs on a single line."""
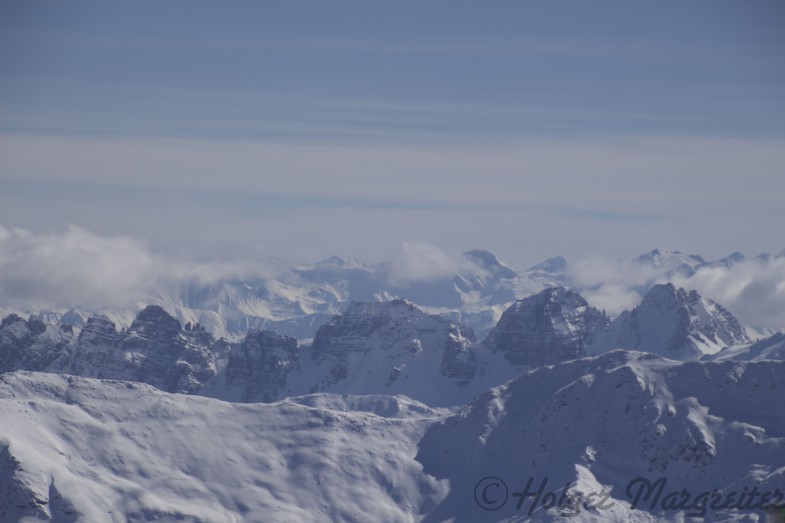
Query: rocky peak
{"points": [[11, 319], [31, 344], [674, 323], [546, 328], [154, 350], [155, 323], [99, 330]]}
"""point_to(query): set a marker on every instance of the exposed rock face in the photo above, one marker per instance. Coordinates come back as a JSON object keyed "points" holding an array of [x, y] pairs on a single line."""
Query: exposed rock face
{"points": [[30, 344], [260, 365], [373, 348], [154, 350], [674, 323], [544, 329], [94, 348]]}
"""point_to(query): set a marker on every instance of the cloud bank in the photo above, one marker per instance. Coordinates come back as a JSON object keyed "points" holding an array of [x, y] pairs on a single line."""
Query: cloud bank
{"points": [[753, 290], [80, 268]]}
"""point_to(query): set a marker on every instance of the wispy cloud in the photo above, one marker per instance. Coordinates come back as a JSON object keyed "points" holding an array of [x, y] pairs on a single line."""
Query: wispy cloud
{"points": [[524, 198], [418, 261]]}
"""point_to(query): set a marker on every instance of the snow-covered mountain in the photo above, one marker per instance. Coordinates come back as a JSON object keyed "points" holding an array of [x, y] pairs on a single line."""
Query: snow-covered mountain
{"points": [[673, 323], [671, 262], [396, 348], [552, 326], [155, 349], [373, 348], [80, 449], [390, 347], [31, 344], [597, 424], [296, 300]]}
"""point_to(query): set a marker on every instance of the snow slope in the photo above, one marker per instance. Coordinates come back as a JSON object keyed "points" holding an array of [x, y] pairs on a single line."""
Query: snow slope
{"points": [[771, 348], [80, 449], [599, 423]]}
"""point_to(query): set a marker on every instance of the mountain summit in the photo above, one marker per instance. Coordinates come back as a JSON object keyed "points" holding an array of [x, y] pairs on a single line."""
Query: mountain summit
{"points": [[673, 323], [552, 326]]}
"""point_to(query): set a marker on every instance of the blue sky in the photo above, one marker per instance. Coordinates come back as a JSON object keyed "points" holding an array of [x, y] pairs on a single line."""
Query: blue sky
{"points": [[306, 129]]}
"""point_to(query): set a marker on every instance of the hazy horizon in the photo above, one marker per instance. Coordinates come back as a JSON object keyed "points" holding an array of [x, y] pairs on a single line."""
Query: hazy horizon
{"points": [[304, 130]]}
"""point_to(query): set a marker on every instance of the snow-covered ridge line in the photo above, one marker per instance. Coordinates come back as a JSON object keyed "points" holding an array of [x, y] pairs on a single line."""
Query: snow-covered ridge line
{"points": [[389, 348]]}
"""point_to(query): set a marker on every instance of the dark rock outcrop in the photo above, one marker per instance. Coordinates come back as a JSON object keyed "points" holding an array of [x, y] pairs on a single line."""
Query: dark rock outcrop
{"points": [[552, 326]]}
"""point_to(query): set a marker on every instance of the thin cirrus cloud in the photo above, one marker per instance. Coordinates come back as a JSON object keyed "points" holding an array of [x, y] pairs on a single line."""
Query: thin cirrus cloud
{"points": [[526, 199]]}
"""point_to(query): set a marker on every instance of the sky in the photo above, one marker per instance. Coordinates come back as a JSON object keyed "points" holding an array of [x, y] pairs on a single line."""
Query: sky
{"points": [[307, 129]]}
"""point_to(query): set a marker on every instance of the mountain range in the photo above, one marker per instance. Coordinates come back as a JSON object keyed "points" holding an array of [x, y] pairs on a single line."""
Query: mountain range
{"points": [[474, 289], [390, 347], [393, 410]]}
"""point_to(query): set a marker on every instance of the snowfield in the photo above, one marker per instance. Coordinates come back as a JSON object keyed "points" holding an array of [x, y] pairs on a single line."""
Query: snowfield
{"points": [[81, 449], [77, 449]]}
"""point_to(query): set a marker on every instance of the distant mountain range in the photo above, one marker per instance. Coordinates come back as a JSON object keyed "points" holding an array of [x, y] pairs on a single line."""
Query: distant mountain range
{"points": [[301, 298]]}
